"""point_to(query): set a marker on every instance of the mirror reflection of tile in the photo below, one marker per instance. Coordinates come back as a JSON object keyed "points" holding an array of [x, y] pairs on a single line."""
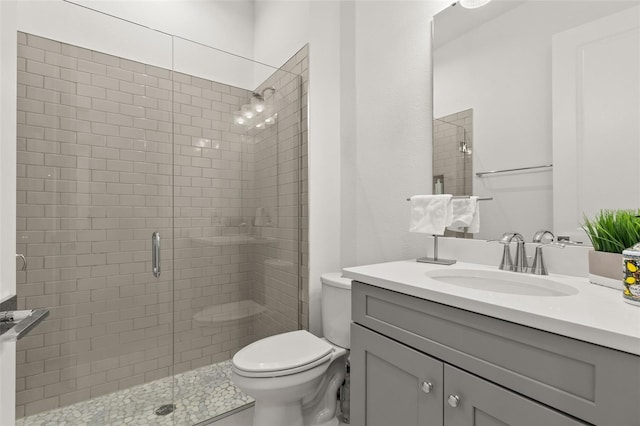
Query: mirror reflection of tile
{"points": [[452, 161], [452, 133]]}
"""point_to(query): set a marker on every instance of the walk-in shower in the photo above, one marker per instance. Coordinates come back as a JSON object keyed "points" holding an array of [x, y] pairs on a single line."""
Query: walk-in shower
{"points": [[162, 235]]}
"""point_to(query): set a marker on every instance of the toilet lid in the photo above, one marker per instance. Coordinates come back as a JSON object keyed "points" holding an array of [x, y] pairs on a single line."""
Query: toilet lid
{"points": [[335, 279], [281, 352]]}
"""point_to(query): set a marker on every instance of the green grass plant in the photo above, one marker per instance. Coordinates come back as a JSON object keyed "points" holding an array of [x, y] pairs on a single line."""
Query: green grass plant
{"points": [[613, 230]]}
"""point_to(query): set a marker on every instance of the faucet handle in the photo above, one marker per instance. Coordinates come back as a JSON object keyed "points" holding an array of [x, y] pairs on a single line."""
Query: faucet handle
{"points": [[555, 245], [506, 238], [507, 262], [538, 267], [567, 241]]}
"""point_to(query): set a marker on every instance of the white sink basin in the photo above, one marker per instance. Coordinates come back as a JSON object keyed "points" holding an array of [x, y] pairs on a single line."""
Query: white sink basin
{"points": [[502, 282]]}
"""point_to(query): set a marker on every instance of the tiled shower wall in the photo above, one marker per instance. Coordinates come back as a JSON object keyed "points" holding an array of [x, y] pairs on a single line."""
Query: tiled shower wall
{"points": [[100, 167], [276, 192], [208, 156]]}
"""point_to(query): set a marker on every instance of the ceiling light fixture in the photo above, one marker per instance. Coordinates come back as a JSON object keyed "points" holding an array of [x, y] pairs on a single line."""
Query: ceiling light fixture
{"points": [[473, 4]]}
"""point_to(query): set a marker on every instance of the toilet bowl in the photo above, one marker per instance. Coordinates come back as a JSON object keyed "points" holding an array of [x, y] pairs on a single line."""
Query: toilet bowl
{"points": [[294, 377]]}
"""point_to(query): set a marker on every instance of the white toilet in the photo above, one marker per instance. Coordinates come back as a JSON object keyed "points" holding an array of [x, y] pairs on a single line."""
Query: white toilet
{"points": [[294, 377]]}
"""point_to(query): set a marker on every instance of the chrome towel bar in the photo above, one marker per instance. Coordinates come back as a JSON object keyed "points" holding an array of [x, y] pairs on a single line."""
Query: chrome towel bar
{"points": [[480, 174], [467, 196]]}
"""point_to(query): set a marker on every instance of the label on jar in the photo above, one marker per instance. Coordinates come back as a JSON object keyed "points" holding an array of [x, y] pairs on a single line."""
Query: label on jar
{"points": [[631, 280]]}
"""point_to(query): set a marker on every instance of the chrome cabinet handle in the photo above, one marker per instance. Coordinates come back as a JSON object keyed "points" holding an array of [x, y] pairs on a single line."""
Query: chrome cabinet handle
{"points": [[155, 254], [24, 261], [427, 387], [453, 400]]}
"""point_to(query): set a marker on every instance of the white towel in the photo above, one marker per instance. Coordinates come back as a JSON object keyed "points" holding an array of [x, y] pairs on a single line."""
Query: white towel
{"points": [[466, 214], [430, 214]]}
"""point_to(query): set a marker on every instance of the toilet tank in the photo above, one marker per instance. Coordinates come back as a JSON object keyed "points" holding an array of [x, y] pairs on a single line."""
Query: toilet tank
{"points": [[336, 309]]}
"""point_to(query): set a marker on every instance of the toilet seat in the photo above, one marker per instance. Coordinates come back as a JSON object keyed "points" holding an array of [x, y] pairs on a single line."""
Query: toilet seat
{"points": [[282, 354]]}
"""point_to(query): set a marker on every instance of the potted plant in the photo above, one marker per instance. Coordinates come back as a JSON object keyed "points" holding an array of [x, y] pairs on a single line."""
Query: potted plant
{"points": [[610, 232]]}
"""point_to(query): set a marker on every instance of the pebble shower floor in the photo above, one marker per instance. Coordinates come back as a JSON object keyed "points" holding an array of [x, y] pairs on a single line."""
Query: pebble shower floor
{"points": [[200, 394]]}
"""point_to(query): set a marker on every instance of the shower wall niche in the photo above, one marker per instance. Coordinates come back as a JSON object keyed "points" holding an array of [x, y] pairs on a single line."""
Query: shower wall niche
{"points": [[111, 150]]}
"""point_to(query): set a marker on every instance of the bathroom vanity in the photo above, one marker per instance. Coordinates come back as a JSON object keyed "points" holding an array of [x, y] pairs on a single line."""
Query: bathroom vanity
{"points": [[426, 351]]}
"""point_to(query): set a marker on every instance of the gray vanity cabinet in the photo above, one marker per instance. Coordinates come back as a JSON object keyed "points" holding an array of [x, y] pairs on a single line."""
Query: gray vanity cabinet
{"points": [[416, 362], [393, 384]]}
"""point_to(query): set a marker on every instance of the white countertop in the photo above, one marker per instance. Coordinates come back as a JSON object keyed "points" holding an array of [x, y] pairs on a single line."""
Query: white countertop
{"points": [[594, 314]]}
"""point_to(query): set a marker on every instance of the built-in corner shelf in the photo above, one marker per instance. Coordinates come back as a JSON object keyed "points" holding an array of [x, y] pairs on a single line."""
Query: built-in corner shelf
{"points": [[231, 240], [232, 311], [281, 265]]}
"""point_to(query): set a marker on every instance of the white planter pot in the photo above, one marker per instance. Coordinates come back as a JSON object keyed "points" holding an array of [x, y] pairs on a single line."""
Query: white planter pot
{"points": [[606, 269]]}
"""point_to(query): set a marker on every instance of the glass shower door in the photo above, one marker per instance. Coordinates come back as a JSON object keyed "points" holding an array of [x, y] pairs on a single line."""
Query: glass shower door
{"points": [[95, 221], [237, 228]]}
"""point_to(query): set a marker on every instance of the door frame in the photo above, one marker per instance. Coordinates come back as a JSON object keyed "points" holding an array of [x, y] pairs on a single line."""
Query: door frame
{"points": [[569, 133], [8, 122]]}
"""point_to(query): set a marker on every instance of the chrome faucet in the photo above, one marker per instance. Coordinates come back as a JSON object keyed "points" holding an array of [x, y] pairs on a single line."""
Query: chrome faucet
{"points": [[538, 267], [520, 263], [539, 235], [505, 263]]}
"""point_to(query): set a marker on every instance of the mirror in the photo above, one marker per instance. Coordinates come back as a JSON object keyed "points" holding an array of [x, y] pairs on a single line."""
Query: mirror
{"points": [[548, 87]]}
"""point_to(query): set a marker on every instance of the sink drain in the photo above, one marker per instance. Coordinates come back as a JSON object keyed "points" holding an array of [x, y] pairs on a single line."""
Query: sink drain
{"points": [[165, 409]]}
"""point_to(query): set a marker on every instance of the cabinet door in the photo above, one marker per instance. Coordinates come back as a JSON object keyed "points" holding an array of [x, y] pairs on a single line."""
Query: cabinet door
{"points": [[390, 383], [481, 403]]}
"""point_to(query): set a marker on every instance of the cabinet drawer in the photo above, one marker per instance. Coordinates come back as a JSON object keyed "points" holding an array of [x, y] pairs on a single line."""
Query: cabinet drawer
{"points": [[593, 383], [482, 403]]}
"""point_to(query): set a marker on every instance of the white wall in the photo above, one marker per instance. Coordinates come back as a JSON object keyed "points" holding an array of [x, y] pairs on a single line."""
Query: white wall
{"points": [[281, 28], [323, 149], [391, 152], [8, 78], [348, 137], [317, 23], [8, 114], [225, 25], [369, 123]]}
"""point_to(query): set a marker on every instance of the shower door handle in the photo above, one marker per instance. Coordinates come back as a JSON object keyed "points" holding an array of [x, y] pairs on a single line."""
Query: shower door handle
{"points": [[24, 261], [155, 254]]}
